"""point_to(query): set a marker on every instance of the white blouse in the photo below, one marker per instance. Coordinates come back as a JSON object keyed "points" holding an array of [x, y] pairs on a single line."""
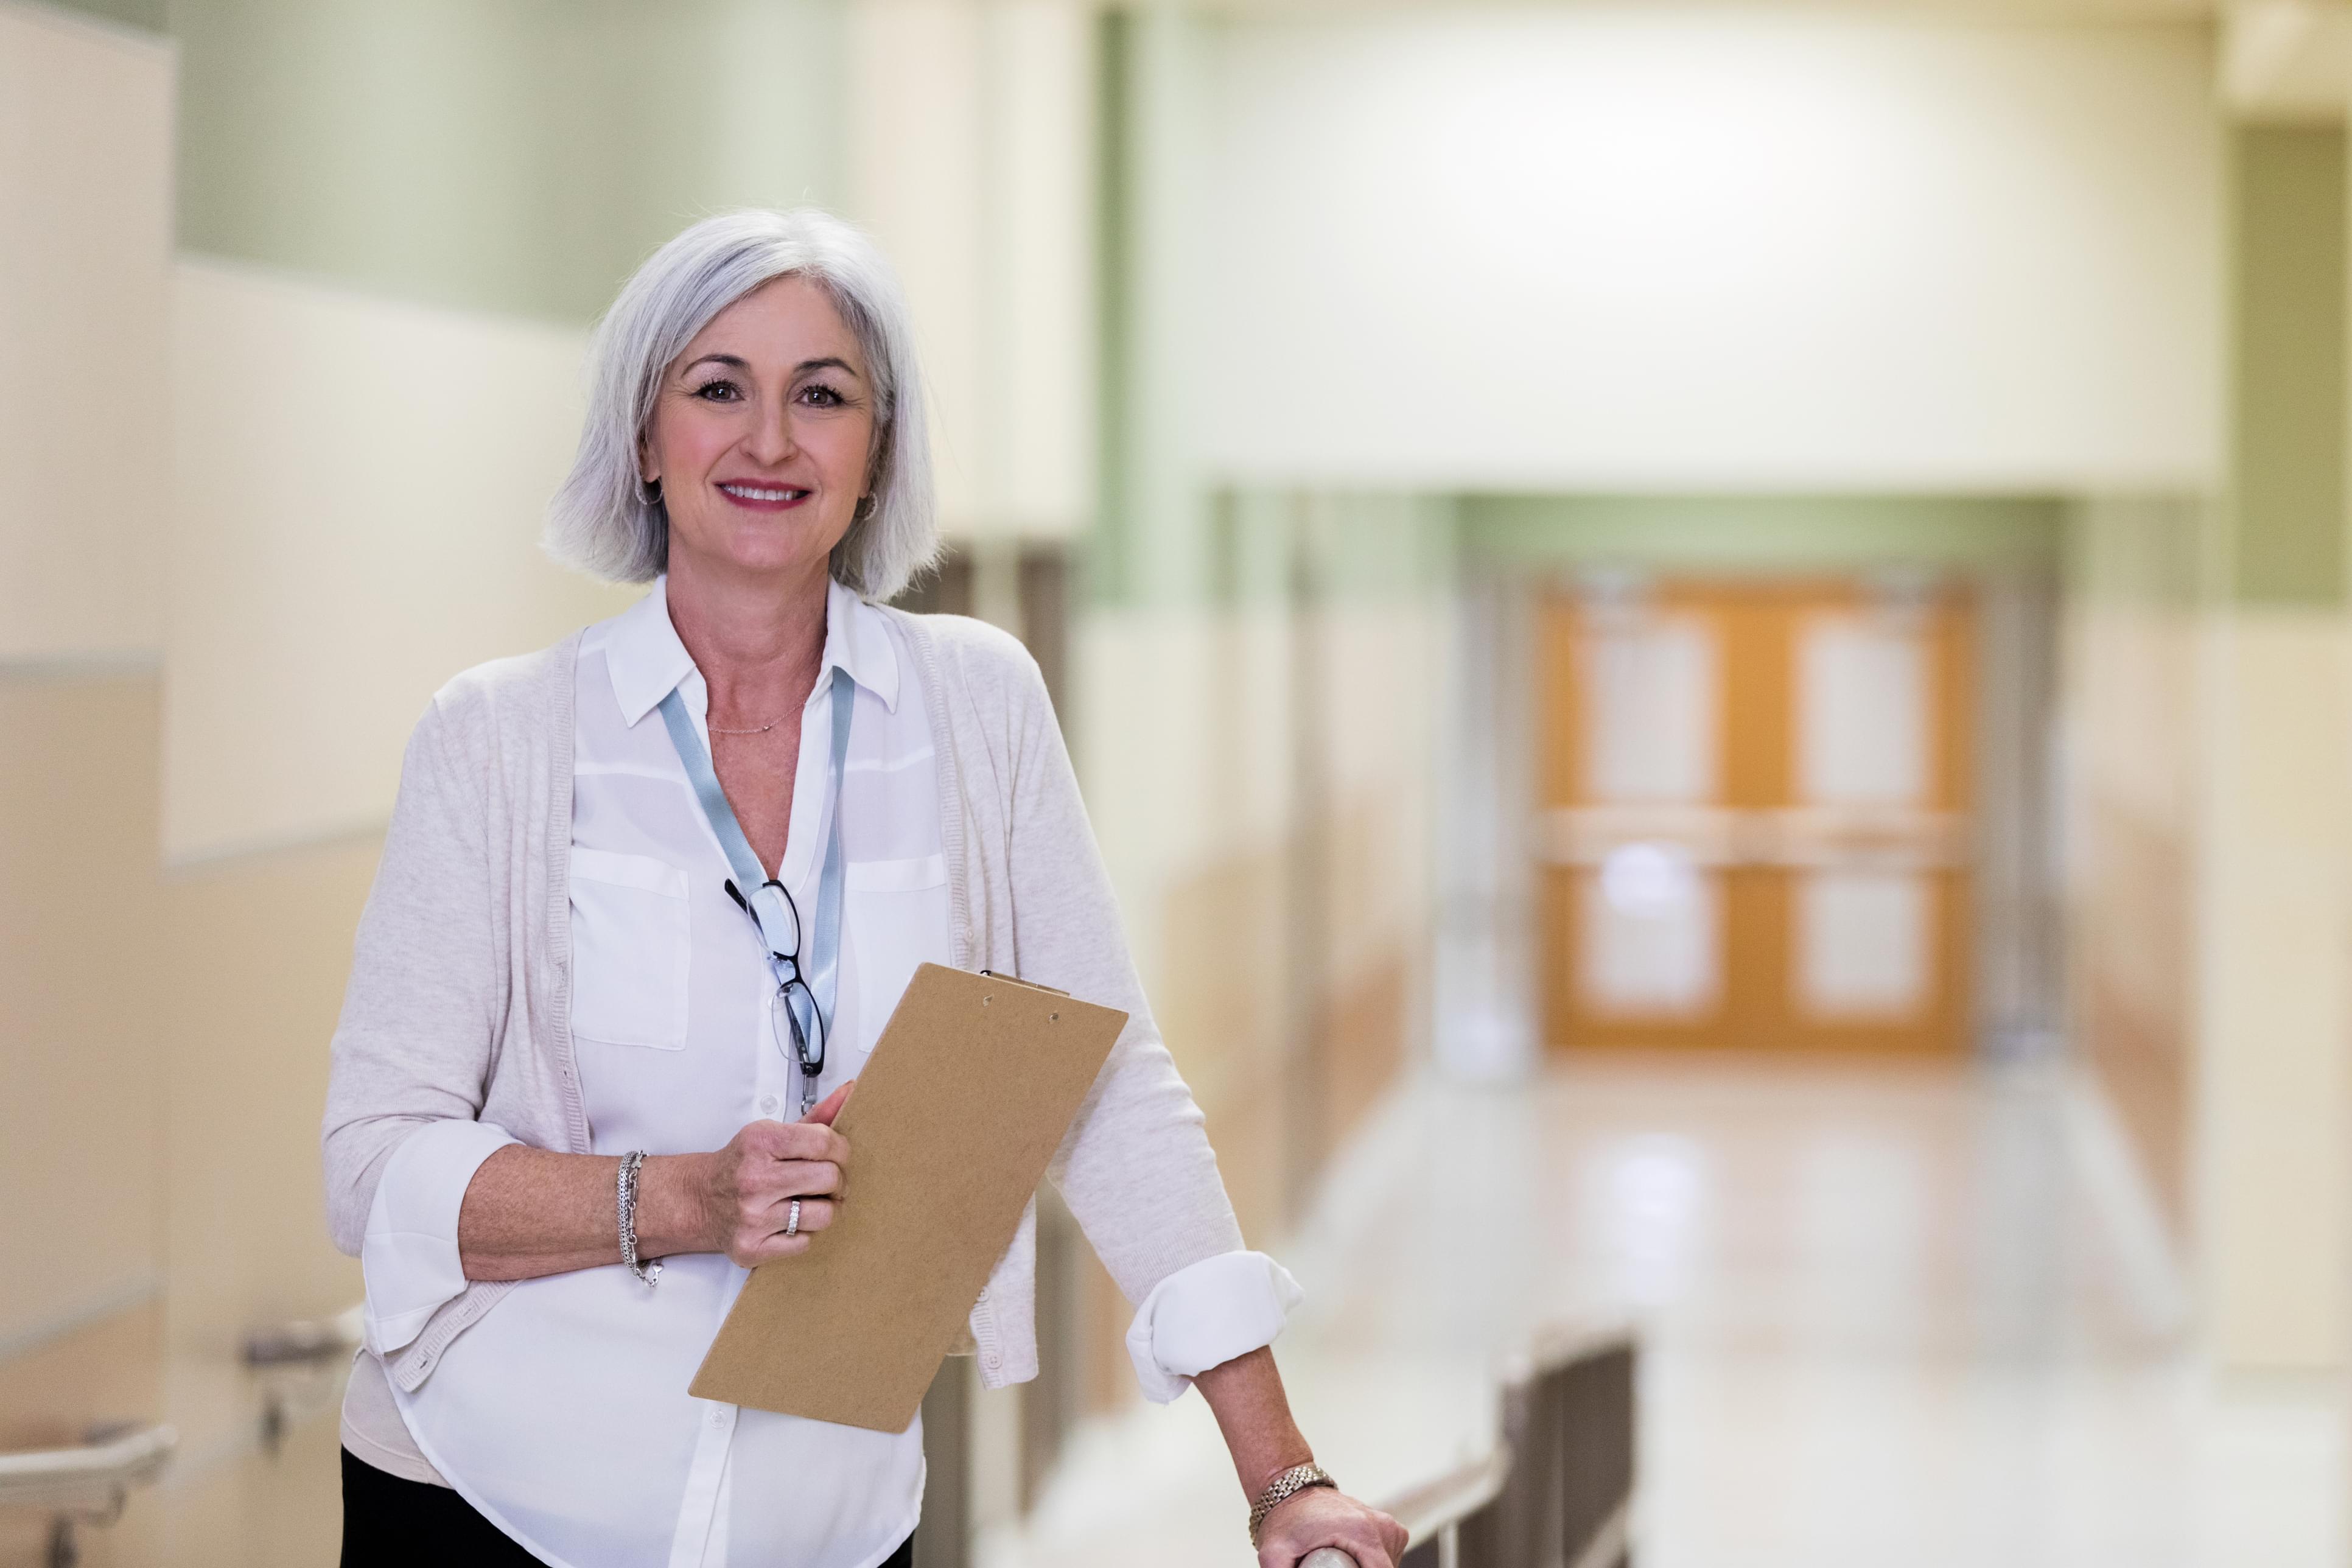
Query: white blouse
{"points": [[564, 1415]]}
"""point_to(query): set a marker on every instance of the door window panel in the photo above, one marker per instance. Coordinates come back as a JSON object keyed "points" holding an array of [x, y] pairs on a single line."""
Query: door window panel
{"points": [[1649, 707], [1650, 924], [1864, 944], [1861, 713]]}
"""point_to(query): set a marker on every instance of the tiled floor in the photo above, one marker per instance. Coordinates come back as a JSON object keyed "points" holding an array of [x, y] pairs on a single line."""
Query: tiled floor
{"points": [[1908, 1316]]}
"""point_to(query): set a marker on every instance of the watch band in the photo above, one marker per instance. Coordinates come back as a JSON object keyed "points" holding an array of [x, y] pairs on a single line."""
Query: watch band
{"points": [[1281, 1489]]}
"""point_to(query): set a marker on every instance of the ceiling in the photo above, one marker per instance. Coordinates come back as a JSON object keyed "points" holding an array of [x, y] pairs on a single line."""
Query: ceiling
{"points": [[1997, 11], [2288, 60]]}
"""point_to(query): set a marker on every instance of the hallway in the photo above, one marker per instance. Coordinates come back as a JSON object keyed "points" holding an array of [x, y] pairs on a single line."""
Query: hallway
{"points": [[1890, 1314]]}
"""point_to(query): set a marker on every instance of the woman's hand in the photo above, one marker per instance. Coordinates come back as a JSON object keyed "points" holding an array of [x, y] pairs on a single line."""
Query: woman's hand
{"points": [[528, 1213], [738, 1200], [1322, 1516]]}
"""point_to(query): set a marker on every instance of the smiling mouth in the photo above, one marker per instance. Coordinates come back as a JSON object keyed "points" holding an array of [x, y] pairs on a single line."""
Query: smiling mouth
{"points": [[764, 495]]}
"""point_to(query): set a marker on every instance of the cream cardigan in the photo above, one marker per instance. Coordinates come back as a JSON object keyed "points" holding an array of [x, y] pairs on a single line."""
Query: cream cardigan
{"points": [[460, 995]]}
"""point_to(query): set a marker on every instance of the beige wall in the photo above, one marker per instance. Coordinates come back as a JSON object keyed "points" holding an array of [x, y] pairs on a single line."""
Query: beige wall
{"points": [[2210, 862], [2134, 711], [82, 1122], [258, 520], [2274, 1133], [357, 488], [1260, 770], [257, 981], [85, 236], [85, 242]]}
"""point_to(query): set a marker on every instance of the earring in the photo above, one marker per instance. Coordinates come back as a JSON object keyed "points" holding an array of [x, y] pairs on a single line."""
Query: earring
{"points": [[648, 491], [865, 509]]}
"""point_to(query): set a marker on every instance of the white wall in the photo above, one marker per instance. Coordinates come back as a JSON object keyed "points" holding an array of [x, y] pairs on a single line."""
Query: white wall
{"points": [[1610, 249], [970, 160], [85, 245], [358, 485]]}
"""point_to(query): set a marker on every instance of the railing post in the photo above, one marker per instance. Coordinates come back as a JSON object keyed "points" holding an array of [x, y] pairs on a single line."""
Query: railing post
{"points": [[943, 1538], [1597, 1436]]}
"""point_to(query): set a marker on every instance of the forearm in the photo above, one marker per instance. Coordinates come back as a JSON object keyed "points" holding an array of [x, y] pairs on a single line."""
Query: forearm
{"points": [[532, 1212], [1254, 1412]]}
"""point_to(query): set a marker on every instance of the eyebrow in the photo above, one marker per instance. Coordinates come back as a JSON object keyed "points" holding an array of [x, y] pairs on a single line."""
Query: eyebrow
{"points": [[737, 362]]}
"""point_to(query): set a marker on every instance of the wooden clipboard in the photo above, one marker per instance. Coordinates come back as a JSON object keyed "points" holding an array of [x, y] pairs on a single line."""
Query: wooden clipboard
{"points": [[964, 1100]]}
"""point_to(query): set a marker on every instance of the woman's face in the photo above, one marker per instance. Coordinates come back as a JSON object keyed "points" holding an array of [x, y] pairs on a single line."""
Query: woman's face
{"points": [[763, 435]]}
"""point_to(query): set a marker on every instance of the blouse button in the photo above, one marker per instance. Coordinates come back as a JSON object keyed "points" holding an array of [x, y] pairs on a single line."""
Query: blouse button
{"points": [[767, 1105]]}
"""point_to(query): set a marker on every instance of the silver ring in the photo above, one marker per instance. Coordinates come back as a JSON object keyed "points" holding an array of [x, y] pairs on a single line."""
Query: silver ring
{"points": [[792, 1220]]}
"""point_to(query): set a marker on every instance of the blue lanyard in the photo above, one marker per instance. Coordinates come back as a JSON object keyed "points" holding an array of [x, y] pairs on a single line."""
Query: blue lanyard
{"points": [[779, 930]]}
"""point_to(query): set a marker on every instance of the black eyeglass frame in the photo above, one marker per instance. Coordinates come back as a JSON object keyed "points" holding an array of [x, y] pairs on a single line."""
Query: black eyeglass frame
{"points": [[786, 968]]}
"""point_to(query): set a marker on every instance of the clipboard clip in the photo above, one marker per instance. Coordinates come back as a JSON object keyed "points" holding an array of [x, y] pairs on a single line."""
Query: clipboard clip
{"points": [[1016, 979]]}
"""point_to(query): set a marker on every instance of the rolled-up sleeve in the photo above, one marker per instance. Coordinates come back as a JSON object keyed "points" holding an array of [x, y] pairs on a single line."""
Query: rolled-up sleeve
{"points": [[1204, 1315], [409, 1256]]}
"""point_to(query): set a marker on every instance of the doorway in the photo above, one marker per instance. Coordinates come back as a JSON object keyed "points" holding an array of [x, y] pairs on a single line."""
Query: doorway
{"points": [[1755, 827]]}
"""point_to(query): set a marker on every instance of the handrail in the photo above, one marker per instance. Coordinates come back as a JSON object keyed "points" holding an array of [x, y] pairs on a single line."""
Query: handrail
{"points": [[88, 1483], [308, 1339], [89, 1478], [1556, 1485], [1429, 1508], [292, 1360]]}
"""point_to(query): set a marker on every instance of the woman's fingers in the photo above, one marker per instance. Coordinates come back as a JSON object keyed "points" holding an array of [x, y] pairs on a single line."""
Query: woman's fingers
{"points": [[794, 1141], [793, 1179], [764, 1168], [816, 1213], [767, 1242], [832, 1104]]}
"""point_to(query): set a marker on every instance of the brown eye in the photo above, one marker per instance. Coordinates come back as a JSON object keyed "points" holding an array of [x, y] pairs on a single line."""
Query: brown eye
{"points": [[823, 397], [718, 392]]}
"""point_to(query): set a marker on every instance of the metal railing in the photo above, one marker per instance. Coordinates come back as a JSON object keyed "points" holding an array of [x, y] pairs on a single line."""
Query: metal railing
{"points": [[1556, 1489], [298, 1367], [87, 1483]]}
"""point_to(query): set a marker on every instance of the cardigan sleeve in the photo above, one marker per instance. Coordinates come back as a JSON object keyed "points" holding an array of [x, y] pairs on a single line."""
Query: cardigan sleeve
{"points": [[1135, 1168], [420, 1014]]}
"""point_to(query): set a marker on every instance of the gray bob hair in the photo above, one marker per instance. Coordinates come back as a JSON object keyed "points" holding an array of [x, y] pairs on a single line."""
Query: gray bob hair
{"points": [[603, 522]]}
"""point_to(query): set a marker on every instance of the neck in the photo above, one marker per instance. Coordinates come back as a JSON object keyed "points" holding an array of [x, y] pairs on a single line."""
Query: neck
{"points": [[758, 642]]}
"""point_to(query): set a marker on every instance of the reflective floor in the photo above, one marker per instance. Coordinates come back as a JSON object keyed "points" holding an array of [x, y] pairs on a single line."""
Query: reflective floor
{"points": [[1914, 1315]]}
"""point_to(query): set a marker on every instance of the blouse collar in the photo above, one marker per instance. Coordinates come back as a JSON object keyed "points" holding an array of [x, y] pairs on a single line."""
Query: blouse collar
{"points": [[647, 661]]}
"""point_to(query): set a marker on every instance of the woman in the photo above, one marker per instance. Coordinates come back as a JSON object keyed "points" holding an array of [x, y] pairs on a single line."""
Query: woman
{"points": [[590, 1051]]}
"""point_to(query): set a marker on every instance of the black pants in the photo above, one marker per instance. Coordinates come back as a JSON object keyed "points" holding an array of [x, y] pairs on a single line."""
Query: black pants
{"points": [[389, 1522]]}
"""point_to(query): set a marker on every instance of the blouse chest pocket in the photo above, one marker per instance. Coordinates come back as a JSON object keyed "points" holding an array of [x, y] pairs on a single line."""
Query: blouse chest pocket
{"points": [[897, 914], [630, 950]]}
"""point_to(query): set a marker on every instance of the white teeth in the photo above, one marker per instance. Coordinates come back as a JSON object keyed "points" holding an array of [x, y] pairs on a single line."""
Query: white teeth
{"points": [[754, 492]]}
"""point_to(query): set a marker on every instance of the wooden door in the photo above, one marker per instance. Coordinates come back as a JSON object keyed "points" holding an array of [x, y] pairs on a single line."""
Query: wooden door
{"points": [[1756, 830]]}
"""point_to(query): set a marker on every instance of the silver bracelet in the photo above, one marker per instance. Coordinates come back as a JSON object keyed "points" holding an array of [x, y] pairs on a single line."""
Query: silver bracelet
{"points": [[625, 1200]]}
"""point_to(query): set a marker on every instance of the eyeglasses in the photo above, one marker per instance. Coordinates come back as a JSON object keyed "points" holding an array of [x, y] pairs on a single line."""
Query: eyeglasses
{"points": [[794, 1020]]}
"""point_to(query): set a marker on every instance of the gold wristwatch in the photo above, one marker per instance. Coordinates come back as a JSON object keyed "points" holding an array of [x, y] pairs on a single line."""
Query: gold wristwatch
{"points": [[1283, 1486]]}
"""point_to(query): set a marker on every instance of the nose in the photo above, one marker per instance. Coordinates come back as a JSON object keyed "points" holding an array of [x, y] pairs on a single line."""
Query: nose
{"points": [[771, 441]]}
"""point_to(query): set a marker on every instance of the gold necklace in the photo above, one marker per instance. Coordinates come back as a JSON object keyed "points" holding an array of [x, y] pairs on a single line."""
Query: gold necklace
{"points": [[760, 730]]}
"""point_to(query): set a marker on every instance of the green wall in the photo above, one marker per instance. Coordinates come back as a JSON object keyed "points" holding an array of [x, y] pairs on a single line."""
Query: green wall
{"points": [[2147, 552], [146, 13], [1763, 533], [2287, 295], [519, 156]]}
